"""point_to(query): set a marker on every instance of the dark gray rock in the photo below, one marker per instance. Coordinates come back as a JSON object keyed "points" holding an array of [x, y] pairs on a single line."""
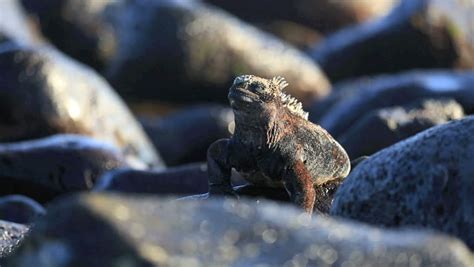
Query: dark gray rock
{"points": [[172, 50], [199, 50], [298, 35], [3, 38], [398, 90], [45, 168], [417, 34], [387, 126], [79, 28], [185, 136], [426, 180], [20, 209], [42, 92], [11, 235], [113, 230], [180, 180], [323, 15], [340, 92]]}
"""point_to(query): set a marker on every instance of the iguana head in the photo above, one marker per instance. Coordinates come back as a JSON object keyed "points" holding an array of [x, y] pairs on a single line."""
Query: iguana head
{"points": [[252, 96]]}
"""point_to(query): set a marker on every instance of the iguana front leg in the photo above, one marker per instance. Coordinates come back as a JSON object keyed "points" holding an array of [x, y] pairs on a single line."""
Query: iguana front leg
{"points": [[219, 168], [299, 184]]}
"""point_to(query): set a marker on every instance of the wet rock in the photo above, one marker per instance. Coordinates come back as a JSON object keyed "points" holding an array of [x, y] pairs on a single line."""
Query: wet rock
{"points": [[43, 92], [417, 34], [20, 209], [199, 50], [185, 136], [387, 126], [45, 168], [113, 230], [397, 90], [426, 180], [11, 235], [323, 15]]}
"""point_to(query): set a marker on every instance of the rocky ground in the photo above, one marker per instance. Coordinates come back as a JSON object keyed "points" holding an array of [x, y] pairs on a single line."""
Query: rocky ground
{"points": [[107, 109]]}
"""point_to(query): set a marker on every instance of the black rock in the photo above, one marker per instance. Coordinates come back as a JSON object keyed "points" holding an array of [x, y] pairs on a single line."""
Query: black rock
{"points": [[185, 136], [45, 168], [398, 90], [426, 180], [43, 92], [11, 235], [323, 15], [417, 34], [20, 209], [114, 230], [387, 126]]}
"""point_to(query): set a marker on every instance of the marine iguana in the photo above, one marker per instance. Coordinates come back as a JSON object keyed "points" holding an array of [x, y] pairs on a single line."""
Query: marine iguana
{"points": [[274, 144]]}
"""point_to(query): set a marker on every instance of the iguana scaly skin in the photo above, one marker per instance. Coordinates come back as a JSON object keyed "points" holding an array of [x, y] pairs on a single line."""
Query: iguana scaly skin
{"points": [[274, 144]]}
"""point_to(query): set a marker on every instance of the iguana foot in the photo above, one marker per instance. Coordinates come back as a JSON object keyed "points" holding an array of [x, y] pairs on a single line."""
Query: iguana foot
{"points": [[227, 191]]}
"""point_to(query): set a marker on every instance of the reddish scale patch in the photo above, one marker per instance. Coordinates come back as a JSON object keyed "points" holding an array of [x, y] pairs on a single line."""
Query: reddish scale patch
{"points": [[305, 181]]}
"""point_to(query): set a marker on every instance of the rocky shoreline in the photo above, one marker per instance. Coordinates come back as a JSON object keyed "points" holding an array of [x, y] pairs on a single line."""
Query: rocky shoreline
{"points": [[108, 108]]}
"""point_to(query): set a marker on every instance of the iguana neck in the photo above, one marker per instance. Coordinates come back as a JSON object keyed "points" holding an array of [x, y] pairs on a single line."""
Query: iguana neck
{"points": [[256, 133]]}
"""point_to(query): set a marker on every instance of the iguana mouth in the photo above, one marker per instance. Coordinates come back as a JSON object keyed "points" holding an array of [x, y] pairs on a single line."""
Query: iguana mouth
{"points": [[241, 95]]}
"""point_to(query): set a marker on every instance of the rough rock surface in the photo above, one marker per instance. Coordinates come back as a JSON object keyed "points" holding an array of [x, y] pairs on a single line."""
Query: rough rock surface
{"points": [[44, 168], [417, 34], [387, 126], [11, 235], [20, 209], [107, 230], [397, 90], [43, 93], [184, 136], [179, 180], [426, 180]]}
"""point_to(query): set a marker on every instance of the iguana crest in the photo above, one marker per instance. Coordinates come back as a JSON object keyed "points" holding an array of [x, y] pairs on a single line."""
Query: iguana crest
{"points": [[291, 103]]}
